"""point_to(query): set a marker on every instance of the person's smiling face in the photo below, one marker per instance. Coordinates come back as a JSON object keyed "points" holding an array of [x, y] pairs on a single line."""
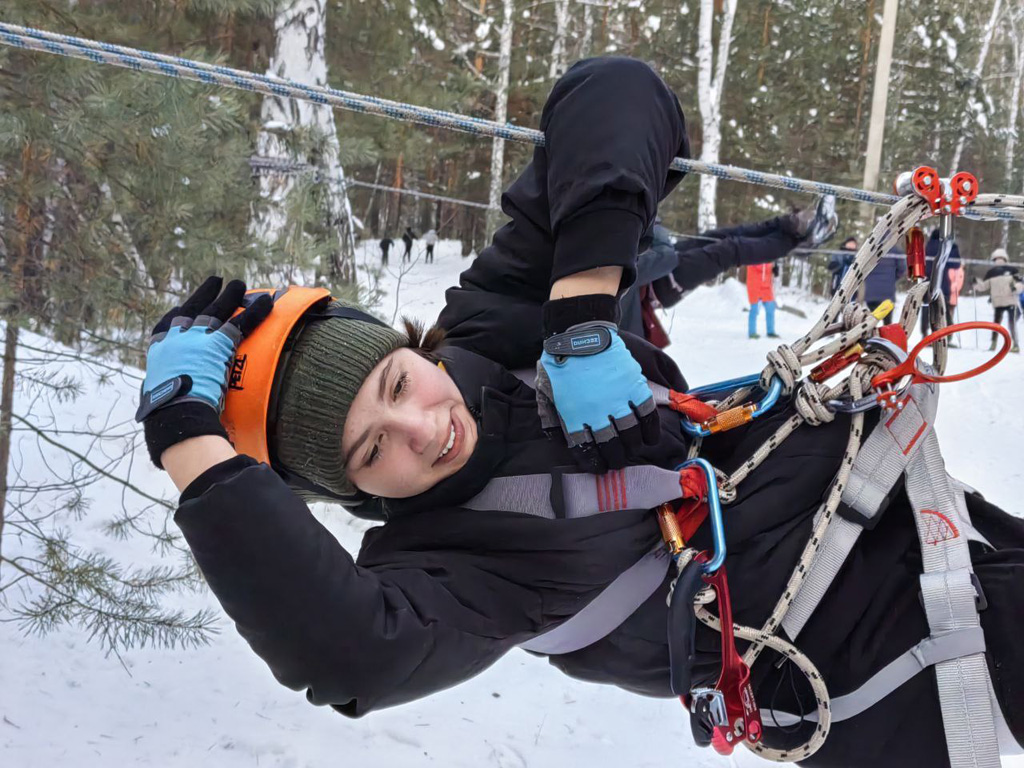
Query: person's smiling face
{"points": [[408, 428]]}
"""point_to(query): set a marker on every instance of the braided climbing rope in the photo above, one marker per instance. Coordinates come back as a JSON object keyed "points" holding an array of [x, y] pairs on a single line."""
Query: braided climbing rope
{"points": [[28, 38]]}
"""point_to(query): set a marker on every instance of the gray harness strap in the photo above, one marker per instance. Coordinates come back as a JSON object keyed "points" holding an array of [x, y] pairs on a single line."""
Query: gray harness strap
{"points": [[906, 445], [608, 610], [579, 494], [582, 495], [927, 653]]}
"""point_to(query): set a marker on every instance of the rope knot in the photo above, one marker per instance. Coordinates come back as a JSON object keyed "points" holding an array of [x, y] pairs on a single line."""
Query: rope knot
{"points": [[854, 314], [783, 363], [810, 403]]}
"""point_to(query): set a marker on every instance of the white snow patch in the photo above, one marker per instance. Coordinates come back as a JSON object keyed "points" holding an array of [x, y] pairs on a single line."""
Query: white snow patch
{"points": [[950, 43], [922, 34]]}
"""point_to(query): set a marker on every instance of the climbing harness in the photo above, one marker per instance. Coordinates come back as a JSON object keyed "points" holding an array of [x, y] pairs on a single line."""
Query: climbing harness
{"points": [[882, 374]]}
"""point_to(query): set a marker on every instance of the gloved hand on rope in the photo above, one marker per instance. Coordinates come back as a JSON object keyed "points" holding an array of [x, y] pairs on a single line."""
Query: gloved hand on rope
{"points": [[189, 361], [589, 385]]}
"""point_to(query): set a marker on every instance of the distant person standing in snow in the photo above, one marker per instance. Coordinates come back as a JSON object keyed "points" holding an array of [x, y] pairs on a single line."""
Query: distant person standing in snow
{"points": [[1003, 284], [407, 237], [880, 284], [430, 240], [761, 291], [840, 262], [385, 246]]}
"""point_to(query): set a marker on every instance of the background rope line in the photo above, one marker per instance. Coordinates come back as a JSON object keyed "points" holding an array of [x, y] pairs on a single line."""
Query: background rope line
{"points": [[171, 66]]}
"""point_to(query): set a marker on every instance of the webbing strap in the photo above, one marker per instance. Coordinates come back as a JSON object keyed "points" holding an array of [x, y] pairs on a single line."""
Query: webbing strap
{"points": [[928, 652], [609, 609], [580, 494], [880, 463], [949, 597]]}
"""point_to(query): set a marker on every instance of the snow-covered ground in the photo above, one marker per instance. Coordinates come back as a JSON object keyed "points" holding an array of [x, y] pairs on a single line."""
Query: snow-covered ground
{"points": [[62, 702]]}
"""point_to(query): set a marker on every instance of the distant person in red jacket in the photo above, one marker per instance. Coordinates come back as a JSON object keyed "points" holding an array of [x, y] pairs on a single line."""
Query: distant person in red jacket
{"points": [[760, 291]]}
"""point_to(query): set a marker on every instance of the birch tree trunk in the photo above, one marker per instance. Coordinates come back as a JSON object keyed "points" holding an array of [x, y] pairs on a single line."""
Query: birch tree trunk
{"points": [[588, 30], [300, 28], [500, 114], [709, 96], [559, 48], [965, 120], [1016, 16]]}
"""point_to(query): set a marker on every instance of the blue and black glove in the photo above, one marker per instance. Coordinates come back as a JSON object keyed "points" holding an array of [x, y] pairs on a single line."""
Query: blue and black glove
{"points": [[589, 385], [188, 363]]}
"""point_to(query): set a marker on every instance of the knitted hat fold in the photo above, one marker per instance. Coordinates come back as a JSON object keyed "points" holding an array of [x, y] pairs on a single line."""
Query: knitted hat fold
{"points": [[330, 359]]}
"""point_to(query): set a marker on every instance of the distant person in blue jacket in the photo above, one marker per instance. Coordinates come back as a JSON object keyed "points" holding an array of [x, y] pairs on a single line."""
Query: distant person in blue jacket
{"points": [[880, 284], [840, 263]]}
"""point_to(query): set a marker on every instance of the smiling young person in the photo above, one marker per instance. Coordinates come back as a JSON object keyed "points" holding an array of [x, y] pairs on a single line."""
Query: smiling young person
{"points": [[495, 536]]}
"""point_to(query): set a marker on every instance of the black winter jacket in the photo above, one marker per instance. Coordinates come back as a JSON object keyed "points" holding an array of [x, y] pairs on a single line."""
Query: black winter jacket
{"points": [[440, 592]]}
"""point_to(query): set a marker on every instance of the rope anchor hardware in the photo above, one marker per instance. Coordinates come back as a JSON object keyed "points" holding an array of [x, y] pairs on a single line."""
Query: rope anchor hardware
{"points": [[944, 196], [908, 372], [733, 417]]}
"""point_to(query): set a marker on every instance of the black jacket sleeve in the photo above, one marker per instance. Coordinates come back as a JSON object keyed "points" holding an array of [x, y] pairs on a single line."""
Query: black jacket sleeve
{"points": [[354, 638], [612, 128], [701, 261]]}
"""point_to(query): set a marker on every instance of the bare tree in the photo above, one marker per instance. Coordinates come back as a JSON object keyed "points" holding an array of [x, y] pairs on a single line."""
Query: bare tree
{"points": [[1015, 20], [965, 120], [709, 97], [559, 49]]}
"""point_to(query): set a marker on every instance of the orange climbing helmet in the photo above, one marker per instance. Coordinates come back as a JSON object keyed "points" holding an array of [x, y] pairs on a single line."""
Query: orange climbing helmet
{"points": [[250, 404], [246, 414]]}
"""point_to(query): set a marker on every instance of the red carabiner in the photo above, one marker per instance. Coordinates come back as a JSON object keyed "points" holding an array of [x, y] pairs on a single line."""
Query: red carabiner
{"points": [[744, 717], [909, 366]]}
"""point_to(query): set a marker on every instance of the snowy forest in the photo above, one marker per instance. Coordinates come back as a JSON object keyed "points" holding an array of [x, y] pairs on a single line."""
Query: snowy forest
{"points": [[120, 192]]}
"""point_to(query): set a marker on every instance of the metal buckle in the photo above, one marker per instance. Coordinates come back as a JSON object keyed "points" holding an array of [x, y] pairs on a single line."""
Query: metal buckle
{"points": [[708, 704]]}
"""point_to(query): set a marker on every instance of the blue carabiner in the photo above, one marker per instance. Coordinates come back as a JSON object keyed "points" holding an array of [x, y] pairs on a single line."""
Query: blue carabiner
{"points": [[769, 400], [715, 510]]}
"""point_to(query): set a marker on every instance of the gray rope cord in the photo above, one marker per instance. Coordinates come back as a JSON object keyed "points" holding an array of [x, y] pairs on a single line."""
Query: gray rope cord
{"points": [[293, 167], [424, 195], [28, 38]]}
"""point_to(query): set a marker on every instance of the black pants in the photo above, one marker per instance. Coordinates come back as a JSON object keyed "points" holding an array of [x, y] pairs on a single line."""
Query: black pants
{"points": [[430, 254], [1011, 323], [408, 251], [383, 258]]}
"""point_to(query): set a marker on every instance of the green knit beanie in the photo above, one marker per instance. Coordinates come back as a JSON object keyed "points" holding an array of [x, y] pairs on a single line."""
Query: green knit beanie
{"points": [[330, 359]]}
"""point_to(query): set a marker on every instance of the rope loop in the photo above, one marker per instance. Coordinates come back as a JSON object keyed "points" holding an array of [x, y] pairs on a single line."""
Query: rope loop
{"points": [[810, 403], [726, 488], [854, 314], [785, 364]]}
